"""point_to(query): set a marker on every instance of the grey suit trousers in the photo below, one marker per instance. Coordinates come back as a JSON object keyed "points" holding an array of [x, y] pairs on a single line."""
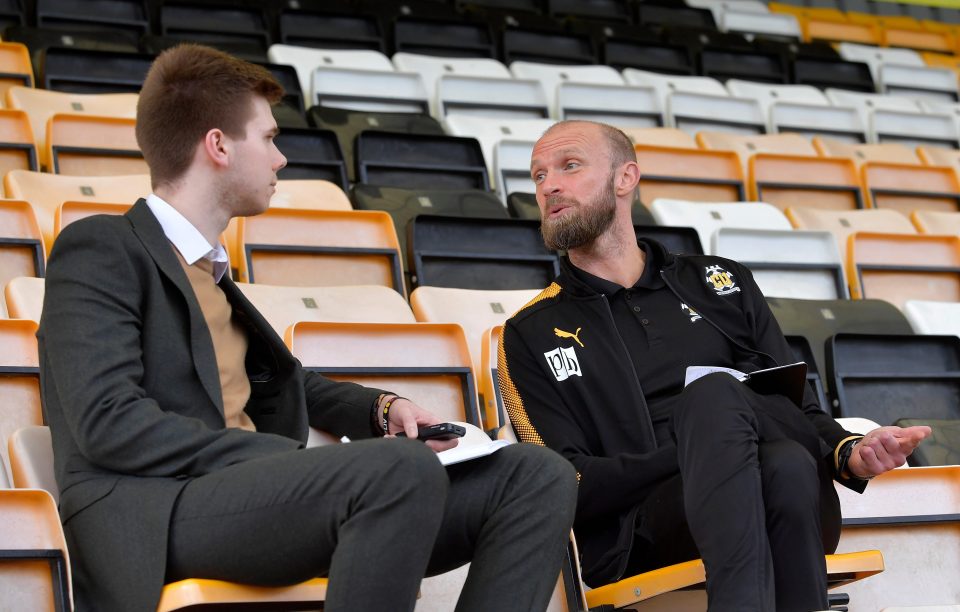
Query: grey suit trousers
{"points": [[376, 516]]}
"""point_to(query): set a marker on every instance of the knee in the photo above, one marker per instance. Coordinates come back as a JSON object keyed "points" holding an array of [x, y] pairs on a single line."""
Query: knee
{"points": [[790, 477], [711, 402], [406, 468], [543, 470]]}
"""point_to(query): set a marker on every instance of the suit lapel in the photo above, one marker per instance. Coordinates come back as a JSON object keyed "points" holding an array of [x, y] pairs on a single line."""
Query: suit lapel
{"points": [[150, 233]]}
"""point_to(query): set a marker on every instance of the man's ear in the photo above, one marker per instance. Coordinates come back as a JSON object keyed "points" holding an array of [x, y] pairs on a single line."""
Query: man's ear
{"points": [[216, 147], [627, 179]]}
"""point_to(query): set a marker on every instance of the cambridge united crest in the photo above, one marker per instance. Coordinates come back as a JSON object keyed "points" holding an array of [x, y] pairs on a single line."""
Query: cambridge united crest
{"points": [[720, 280]]}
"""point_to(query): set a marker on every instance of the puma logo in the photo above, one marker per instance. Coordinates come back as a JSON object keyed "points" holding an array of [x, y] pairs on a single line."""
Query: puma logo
{"points": [[565, 334]]}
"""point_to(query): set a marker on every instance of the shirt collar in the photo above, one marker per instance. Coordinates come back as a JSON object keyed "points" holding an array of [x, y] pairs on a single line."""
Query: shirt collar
{"points": [[186, 238], [649, 279]]}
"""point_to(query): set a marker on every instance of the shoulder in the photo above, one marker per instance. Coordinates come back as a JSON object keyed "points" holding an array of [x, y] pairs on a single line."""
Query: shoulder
{"points": [[548, 298], [91, 243]]}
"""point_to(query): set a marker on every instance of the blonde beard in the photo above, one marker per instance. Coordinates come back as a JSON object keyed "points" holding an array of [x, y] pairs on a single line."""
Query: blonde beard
{"points": [[583, 224]]}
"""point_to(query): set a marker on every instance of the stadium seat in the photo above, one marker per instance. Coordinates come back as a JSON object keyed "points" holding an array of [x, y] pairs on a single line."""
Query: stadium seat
{"points": [[305, 60], [89, 71], [21, 242], [671, 15], [605, 11], [901, 267], [791, 180], [934, 222], [505, 98], [319, 195], [708, 217], [19, 382], [649, 55], [24, 297], [733, 19], [489, 131], [488, 254], [827, 29], [511, 167], [682, 240], [127, 16], [436, 35], [886, 152], [312, 154], [876, 56], [415, 161], [429, 362], [34, 454], [35, 572], [833, 72], [368, 90], [747, 146], [906, 188], [69, 211], [541, 45], [290, 111], [236, 24], [324, 27], [41, 104], [284, 306], [786, 263], [46, 192], [553, 78], [15, 67], [493, 410], [699, 103], [87, 145], [661, 137], [802, 109], [842, 223], [802, 351], [933, 318], [818, 320], [431, 68], [897, 119], [939, 156], [315, 248], [910, 514], [618, 105], [689, 174]]}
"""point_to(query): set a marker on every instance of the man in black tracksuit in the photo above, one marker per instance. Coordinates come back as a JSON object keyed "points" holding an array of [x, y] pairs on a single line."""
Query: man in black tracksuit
{"points": [[594, 368]]}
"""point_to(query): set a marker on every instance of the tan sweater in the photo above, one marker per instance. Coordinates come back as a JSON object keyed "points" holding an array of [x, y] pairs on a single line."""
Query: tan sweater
{"points": [[229, 341]]}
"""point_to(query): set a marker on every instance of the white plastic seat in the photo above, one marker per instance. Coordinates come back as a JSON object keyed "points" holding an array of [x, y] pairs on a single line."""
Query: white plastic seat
{"points": [[940, 107], [786, 263], [942, 318], [489, 97], [700, 103], [874, 57], [491, 130], [802, 109], [718, 7], [431, 68], [708, 217], [897, 119], [305, 60], [927, 83], [368, 90], [552, 76], [780, 25], [627, 106], [511, 166]]}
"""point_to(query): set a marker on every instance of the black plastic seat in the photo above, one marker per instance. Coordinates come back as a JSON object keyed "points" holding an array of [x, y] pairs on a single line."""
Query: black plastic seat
{"points": [[823, 73], [666, 15], [11, 14], [38, 41], [349, 123], [444, 38], [126, 17], [818, 320], [249, 50], [547, 47], [803, 352], [655, 57], [331, 30], [698, 38], [616, 11], [479, 253], [290, 111], [89, 71], [238, 24], [312, 154], [757, 66], [886, 377], [680, 240], [418, 161]]}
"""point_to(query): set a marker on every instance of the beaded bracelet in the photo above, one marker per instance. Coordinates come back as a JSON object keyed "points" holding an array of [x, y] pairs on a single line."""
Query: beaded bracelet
{"points": [[385, 420]]}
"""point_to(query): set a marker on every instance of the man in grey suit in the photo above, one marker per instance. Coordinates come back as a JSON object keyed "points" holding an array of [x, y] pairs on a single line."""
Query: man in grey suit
{"points": [[179, 417]]}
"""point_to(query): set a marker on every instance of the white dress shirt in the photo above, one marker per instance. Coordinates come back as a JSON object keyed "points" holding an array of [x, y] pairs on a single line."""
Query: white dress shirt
{"points": [[186, 238]]}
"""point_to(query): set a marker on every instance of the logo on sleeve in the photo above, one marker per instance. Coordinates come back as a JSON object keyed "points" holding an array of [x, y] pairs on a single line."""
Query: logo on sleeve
{"points": [[690, 312], [720, 280], [563, 363]]}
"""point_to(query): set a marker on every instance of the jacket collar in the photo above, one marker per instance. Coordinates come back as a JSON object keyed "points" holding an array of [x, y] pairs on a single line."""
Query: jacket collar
{"points": [[571, 282]]}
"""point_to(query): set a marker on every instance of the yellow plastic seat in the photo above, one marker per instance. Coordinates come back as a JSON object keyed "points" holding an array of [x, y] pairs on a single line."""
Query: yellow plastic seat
{"points": [[21, 242], [939, 156], [493, 408], [19, 382], [842, 223], [915, 36], [661, 137], [24, 298], [689, 174], [18, 150], [87, 145], [905, 187], [792, 180], [35, 567], [941, 60], [747, 146], [933, 222], [46, 192], [16, 69], [41, 104], [195, 593], [320, 247], [883, 152], [831, 27], [427, 362], [68, 212], [901, 267]]}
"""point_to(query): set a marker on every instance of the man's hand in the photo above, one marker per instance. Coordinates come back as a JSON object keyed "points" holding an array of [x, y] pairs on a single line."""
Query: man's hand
{"points": [[406, 416], [884, 448]]}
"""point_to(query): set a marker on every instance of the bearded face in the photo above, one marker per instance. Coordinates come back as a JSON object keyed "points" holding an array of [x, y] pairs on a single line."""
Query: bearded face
{"points": [[582, 223]]}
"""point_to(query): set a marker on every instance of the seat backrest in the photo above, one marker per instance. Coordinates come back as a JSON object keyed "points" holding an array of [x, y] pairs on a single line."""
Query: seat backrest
{"points": [[31, 459], [312, 194], [295, 247], [618, 105], [24, 298], [661, 137], [493, 409], [689, 174], [934, 222], [550, 76], [933, 317], [18, 151], [36, 573], [88, 145], [15, 67], [489, 97], [860, 153], [842, 223], [431, 68], [46, 192], [906, 188], [426, 362], [874, 56], [284, 306], [708, 217], [21, 242], [745, 146], [68, 212], [312, 154], [305, 59], [768, 95], [490, 130], [19, 382], [420, 161], [368, 90], [792, 180]]}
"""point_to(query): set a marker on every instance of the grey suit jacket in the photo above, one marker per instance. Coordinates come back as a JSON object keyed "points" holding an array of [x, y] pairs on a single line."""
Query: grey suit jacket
{"points": [[131, 393]]}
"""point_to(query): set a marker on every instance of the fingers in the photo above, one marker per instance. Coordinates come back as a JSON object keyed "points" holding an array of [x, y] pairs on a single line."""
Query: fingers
{"points": [[441, 445]]}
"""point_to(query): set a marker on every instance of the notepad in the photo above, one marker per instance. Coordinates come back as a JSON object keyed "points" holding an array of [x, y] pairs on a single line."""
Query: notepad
{"points": [[473, 445], [788, 380]]}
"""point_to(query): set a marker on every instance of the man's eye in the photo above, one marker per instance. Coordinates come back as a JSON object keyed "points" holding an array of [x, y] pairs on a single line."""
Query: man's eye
{"points": [[537, 178], [572, 165]]}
